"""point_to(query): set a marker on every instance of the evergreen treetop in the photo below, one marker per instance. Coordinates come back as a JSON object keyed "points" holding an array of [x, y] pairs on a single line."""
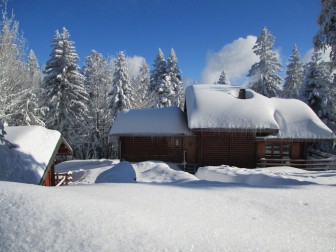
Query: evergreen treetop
{"points": [[326, 36], [294, 76], [66, 96], [263, 73], [223, 79]]}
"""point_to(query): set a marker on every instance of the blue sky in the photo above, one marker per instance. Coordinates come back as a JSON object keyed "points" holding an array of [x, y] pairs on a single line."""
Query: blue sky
{"points": [[203, 33]]}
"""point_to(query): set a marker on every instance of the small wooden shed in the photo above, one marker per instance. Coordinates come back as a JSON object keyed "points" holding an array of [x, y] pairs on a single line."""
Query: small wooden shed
{"points": [[30, 156]]}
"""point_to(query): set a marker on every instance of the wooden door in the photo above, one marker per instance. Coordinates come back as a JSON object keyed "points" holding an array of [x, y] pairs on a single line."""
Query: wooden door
{"points": [[189, 146]]}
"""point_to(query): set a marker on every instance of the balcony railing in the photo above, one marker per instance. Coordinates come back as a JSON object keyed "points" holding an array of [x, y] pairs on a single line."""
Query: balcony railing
{"points": [[307, 164], [62, 179]]}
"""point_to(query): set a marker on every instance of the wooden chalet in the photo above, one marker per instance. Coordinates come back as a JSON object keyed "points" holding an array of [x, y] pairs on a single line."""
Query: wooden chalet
{"points": [[31, 154], [222, 125]]}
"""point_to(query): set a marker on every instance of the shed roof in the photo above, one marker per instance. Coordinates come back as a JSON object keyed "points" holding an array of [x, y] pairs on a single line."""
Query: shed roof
{"points": [[218, 107], [169, 121], [36, 148]]}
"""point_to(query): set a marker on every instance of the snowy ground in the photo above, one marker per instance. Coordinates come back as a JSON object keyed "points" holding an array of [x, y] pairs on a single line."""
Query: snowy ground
{"points": [[164, 209]]}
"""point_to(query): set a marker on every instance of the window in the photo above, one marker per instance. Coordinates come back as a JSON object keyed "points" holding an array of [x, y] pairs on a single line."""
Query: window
{"points": [[268, 150], [285, 151], [277, 150]]}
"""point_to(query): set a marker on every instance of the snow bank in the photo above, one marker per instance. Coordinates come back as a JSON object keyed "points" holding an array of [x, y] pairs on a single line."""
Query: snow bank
{"points": [[85, 171], [253, 177], [159, 172], [217, 107], [27, 162], [145, 217], [150, 122], [109, 171], [120, 173]]}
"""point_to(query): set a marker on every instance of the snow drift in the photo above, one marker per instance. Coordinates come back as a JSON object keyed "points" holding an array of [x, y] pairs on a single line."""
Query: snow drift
{"points": [[169, 210]]}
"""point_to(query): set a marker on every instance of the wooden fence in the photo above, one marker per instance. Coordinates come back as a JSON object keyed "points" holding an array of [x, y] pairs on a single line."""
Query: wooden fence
{"points": [[62, 179], [307, 164]]}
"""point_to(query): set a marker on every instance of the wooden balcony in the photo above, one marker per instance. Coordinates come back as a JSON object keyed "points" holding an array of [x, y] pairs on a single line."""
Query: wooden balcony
{"points": [[323, 164], [63, 179]]}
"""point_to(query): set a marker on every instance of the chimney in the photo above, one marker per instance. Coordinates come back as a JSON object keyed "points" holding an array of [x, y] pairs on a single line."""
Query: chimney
{"points": [[242, 93]]}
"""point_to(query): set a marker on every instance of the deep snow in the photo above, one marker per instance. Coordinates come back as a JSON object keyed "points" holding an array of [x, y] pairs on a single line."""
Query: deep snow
{"points": [[292, 118], [168, 210]]}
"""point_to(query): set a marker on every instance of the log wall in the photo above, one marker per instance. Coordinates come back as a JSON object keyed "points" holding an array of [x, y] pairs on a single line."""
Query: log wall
{"points": [[136, 149], [230, 148]]}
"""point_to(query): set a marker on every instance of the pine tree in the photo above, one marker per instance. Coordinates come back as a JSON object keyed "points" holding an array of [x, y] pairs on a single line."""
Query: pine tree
{"points": [[223, 80], [121, 92], [18, 103], [12, 71], [158, 74], [166, 93], [294, 76], [263, 73], [316, 87], [33, 65], [66, 96], [35, 111], [141, 84], [174, 73], [326, 36], [98, 79]]}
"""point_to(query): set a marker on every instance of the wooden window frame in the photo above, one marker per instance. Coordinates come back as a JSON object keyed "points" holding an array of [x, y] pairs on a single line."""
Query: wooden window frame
{"points": [[277, 150]]}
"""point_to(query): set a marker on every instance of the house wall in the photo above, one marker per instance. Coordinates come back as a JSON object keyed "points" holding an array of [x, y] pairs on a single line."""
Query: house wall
{"points": [[136, 149], [240, 149], [50, 177], [230, 148]]}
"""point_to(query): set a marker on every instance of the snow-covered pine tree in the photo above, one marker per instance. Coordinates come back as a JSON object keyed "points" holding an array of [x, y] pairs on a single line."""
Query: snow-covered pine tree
{"points": [[141, 85], [33, 65], [174, 72], [158, 74], [316, 86], [11, 67], [18, 103], [264, 79], [121, 92], [294, 76], [98, 80], [326, 36], [35, 111], [223, 80], [166, 93], [66, 96]]}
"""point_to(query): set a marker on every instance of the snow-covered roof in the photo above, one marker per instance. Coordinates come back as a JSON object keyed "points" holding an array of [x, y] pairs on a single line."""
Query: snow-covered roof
{"points": [[218, 107], [297, 120], [150, 122], [35, 150]]}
